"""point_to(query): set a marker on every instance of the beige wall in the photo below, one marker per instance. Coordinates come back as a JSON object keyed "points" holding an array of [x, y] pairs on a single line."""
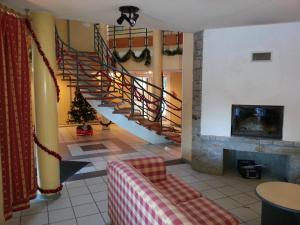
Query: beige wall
{"points": [[62, 28], [174, 86], [82, 36], [187, 95], [66, 93]]}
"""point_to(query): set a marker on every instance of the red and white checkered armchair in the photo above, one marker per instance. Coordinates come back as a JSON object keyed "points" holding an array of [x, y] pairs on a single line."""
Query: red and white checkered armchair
{"points": [[141, 193]]}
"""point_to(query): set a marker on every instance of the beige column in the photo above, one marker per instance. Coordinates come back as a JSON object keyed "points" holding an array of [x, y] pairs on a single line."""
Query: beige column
{"points": [[157, 58], [187, 95], [45, 101]]}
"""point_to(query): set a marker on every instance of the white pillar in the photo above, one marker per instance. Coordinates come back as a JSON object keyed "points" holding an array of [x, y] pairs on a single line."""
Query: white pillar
{"points": [[187, 95]]}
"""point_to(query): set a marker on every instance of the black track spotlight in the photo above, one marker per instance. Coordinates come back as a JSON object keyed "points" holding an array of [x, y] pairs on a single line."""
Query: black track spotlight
{"points": [[128, 13], [121, 19]]}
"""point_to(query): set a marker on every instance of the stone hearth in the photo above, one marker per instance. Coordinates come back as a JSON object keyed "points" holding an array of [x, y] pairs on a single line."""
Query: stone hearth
{"points": [[208, 156]]}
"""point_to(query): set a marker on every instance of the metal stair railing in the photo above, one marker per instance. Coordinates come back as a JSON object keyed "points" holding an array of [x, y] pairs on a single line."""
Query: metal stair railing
{"points": [[83, 69]]}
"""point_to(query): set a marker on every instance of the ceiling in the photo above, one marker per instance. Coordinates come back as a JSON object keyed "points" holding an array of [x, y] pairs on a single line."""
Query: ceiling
{"points": [[178, 15]]}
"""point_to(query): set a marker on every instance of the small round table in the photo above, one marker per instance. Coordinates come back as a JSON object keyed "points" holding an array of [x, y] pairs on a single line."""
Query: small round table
{"points": [[280, 203]]}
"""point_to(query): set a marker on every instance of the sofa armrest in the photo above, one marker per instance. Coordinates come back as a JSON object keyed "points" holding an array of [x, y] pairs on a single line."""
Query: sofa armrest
{"points": [[153, 168]]}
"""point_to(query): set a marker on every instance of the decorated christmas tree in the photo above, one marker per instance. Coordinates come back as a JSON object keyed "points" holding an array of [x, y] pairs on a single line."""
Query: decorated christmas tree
{"points": [[81, 111]]}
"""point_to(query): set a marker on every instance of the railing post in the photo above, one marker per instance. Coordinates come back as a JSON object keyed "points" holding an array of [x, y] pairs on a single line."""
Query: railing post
{"points": [[63, 60], [143, 105], [132, 95], [123, 83], [77, 70]]}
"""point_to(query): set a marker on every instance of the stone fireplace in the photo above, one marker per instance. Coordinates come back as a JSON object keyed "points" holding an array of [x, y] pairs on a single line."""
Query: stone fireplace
{"points": [[230, 78], [210, 156]]}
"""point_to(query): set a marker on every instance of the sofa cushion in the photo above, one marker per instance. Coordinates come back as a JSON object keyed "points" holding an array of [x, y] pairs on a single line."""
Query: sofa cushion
{"points": [[176, 190], [151, 167], [206, 212]]}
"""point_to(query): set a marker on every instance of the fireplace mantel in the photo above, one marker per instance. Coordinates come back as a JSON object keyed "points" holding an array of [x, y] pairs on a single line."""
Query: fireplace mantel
{"points": [[208, 152]]}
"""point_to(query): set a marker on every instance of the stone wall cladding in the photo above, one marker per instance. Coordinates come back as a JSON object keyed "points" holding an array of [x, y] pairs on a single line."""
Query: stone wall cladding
{"points": [[209, 156], [197, 89]]}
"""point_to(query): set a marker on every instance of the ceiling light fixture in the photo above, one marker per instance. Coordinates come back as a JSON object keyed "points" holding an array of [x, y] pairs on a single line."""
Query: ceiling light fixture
{"points": [[128, 13]]}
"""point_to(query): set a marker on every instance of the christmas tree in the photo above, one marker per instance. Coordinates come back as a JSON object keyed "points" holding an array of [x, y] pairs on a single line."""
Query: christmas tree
{"points": [[81, 111]]}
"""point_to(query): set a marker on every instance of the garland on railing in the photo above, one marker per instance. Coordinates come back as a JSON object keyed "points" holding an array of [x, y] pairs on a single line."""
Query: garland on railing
{"points": [[46, 61], [145, 55], [169, 52], [51, 71]]}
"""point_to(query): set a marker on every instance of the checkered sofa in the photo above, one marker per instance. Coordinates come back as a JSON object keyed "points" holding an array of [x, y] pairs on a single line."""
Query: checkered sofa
{"points": [[141, 193]]}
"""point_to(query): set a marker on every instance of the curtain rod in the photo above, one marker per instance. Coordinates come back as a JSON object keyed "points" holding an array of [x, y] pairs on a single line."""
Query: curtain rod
{"points": [[11, 11]]}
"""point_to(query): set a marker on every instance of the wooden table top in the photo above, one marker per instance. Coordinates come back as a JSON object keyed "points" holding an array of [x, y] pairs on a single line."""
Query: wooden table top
{"points": [[282, 194]]}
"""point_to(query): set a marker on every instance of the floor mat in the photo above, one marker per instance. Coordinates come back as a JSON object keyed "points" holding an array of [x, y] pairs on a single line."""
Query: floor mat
{"points": [[69, 168]]}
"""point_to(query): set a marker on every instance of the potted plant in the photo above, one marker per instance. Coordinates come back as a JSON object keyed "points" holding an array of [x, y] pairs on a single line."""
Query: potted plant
{"points": [[81, 112]]}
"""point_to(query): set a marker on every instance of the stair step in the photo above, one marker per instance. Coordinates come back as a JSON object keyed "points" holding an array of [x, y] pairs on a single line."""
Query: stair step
{"points": [[86, 59], [75, 69], [88, 86], [175, 139], [107, 104], [81, 52], [98, 92], [122, 111], [74, 80], [136, 117], [101, 98]]}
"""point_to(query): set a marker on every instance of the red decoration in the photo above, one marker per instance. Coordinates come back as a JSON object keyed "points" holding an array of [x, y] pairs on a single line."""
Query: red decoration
{"points": [[46, 61], [82, 132], [51, 191], [44, 148]]}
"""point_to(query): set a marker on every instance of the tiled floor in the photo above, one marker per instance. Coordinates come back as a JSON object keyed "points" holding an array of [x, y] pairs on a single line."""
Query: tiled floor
{"points": [[106, 145], [84, 199], [84, 202]]}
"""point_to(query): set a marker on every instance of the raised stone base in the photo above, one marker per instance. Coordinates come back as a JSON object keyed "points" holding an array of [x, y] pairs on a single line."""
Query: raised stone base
{"points": [[208, 153]]}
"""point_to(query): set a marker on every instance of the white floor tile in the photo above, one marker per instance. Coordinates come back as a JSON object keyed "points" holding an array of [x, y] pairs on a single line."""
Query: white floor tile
{"points": [[106, 218], [97, 187], [86, 210], [60, 203], [75, 184], [66, 222], [213, 194], [82, 199], [35, 219], [227, 203], [94, 180], [100, 196], [243, 199], [244, 214], [103, 206], [215, 183], [228, 190], [37, 206], [61, 215], [95, 219], [78, 191]]}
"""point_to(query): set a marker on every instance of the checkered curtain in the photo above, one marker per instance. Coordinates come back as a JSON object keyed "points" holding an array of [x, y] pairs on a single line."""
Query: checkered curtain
{"points": [[16, 144]]}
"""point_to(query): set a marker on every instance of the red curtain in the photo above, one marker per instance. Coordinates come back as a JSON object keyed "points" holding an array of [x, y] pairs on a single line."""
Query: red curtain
{"points": [[16, 144]]}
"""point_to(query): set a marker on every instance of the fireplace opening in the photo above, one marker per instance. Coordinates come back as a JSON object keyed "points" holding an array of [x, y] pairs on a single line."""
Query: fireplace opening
{"points": [[257, 121]]}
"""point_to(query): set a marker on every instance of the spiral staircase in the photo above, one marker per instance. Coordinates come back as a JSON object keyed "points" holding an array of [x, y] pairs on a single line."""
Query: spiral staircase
{"points": [[142, 108]]}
